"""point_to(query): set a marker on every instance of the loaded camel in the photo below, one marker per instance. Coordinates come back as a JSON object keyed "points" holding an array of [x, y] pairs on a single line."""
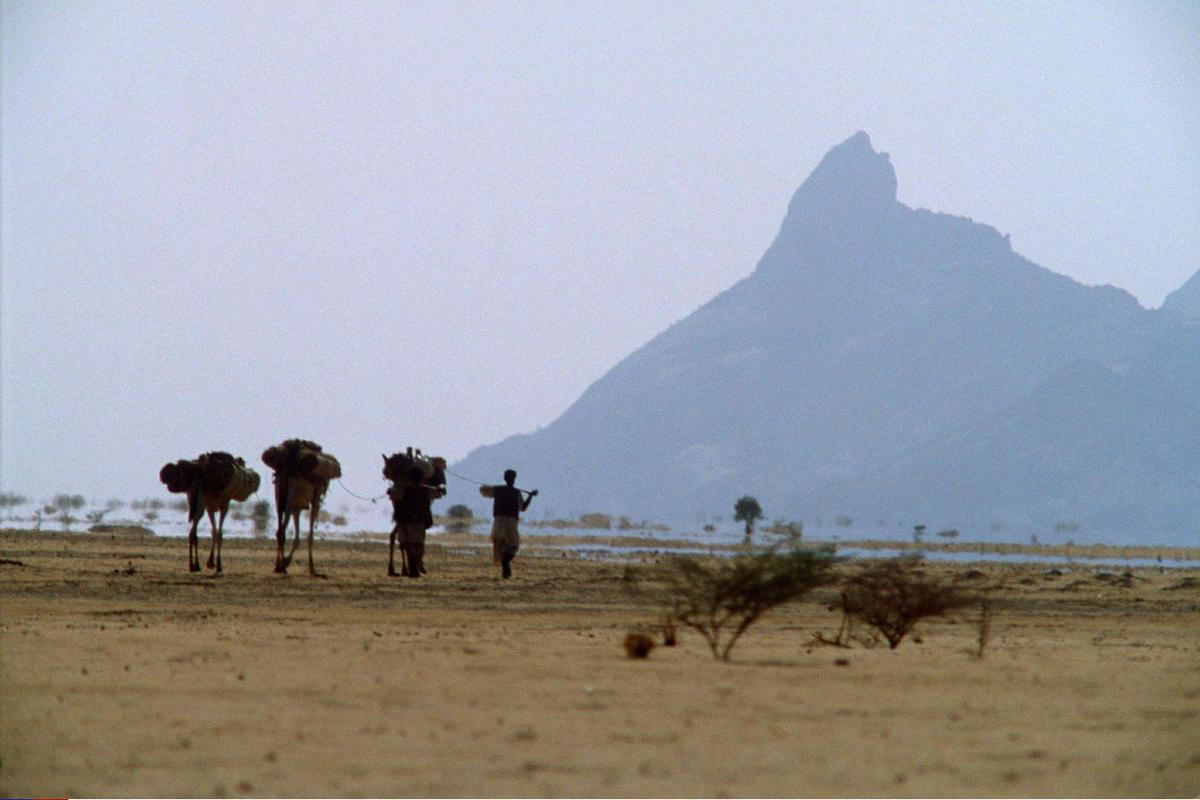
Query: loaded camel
{"points": [[416, 480], [211, 482], [302, 475]]}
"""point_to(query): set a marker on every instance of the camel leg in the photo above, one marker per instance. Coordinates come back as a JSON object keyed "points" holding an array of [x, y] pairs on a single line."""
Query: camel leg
{"points": [[287, 560], [221, 532], [212, 548], [312, 524], [280, 539], [392, 553], [194, 547]]}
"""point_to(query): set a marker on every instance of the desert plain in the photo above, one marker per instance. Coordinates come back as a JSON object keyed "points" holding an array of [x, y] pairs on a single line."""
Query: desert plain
{"points": [[121, 674]]}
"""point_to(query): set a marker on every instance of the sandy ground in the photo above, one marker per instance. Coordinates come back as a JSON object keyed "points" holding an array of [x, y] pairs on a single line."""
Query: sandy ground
{"points": [[121, 674]]}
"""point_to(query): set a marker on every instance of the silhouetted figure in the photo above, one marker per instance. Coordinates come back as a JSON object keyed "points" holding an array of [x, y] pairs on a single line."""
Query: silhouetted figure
{"points": [[413, 514], [507, 506]]}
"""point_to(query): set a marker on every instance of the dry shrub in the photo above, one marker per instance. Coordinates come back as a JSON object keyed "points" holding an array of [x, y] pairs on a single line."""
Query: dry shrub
{"points": [[894, 595], [638, 645], [722, 597], [985, 626]]}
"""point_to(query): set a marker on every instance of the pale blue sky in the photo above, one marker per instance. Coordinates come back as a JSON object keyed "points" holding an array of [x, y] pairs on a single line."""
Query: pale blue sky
{"points": [[376, 225]]}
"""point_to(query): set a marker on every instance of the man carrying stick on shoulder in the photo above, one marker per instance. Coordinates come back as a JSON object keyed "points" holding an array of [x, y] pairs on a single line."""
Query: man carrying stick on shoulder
{"points": [[507, 506]]}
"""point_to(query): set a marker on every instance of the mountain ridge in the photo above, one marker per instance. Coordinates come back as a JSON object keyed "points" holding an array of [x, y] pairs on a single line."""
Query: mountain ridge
{"points": [[867, 330]]}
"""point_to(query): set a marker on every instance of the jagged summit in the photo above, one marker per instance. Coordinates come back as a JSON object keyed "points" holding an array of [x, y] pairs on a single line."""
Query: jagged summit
{"points": [[851, 178], [838, 212]]}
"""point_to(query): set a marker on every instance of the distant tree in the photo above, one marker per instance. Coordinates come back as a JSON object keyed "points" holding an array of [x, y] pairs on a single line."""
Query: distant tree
{"points": [[10, 500], [791, 530], [68, 502], [460, 517], [918, 533], [747, 510], [96, 515], [595, 521]]}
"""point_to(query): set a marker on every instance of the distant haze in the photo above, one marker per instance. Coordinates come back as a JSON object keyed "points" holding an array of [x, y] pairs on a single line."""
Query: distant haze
{"points": [[375, 225]]}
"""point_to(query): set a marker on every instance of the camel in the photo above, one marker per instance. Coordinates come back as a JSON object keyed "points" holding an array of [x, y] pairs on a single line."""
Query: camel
{"points": [[405, 470], [211, 482], [302, 475]]}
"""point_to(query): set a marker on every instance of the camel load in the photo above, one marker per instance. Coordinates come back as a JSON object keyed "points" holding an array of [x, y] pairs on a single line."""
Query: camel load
{"points": [[304, 459], [211, 482], [398, 468], [216, 473]]}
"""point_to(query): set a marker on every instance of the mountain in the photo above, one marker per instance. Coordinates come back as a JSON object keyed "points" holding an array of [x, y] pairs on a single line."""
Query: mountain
{"points": [[889, 362], [1185, 301]]}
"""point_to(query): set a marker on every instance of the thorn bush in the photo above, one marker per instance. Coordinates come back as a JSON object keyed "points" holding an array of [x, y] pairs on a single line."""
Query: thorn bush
{"points": [[894, 595], [721, 598]]}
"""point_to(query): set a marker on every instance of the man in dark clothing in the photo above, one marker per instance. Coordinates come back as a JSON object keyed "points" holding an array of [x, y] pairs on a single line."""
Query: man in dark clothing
{"points": [[413, 514], [507, 506]]}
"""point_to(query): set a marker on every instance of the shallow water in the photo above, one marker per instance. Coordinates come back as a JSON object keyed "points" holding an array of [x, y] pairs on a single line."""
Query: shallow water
{"points": [[375, 520], [602, 550]]}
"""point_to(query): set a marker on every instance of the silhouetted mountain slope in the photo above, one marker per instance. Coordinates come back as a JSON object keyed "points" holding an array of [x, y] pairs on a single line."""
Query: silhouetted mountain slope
{"points": [[871, 338], [1185, 301]]}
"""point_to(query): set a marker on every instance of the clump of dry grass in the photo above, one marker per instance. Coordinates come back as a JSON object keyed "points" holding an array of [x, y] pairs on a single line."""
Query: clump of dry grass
{"points": [[668, 632], [638, 645]]}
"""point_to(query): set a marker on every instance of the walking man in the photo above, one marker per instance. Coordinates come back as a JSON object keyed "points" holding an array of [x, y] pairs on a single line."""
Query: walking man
{"points": [[507, 506], [413, 514]]}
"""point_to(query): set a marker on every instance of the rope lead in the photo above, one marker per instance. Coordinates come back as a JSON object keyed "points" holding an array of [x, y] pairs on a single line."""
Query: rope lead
{"points": [[360, 497]]}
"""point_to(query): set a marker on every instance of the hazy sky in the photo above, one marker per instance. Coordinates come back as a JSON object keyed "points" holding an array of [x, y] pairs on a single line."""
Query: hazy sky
{"points": [[375, 225]]}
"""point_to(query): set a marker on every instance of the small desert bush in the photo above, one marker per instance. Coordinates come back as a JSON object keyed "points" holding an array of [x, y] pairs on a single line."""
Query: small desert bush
{"points": [[260, 515], [721, 598], [460, 518], [893, 596], [638, 645]]}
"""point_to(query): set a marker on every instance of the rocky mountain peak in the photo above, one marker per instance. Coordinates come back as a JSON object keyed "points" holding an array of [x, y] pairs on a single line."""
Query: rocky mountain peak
{"points": [[852, 179]]}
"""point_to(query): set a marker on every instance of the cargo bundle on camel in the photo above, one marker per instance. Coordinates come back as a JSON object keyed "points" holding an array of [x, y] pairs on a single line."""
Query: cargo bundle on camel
{"points": [[302, 476], [211, 482], [412, 474]]}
